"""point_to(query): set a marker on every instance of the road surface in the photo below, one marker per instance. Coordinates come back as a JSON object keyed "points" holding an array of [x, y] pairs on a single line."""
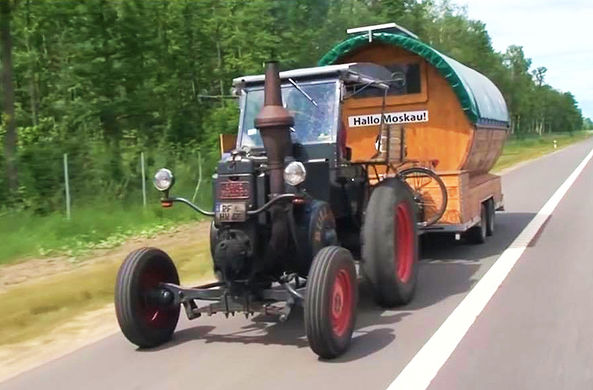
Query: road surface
{"points": [[535, 332]]}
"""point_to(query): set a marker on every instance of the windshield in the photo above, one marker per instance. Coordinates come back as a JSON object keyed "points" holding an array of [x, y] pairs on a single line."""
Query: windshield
{"points": [[312, 124]]}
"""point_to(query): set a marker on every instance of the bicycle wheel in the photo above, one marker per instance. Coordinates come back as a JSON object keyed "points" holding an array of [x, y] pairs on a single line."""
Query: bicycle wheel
{"points": [[429, 191]]}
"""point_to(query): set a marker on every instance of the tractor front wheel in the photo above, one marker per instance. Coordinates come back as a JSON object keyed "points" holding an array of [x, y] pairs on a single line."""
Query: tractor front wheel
{"points": [[330, 302], [146, 315]]}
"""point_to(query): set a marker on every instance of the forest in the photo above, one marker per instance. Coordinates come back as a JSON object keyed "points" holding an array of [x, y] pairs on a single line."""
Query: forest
{"points": [[104, 80]]}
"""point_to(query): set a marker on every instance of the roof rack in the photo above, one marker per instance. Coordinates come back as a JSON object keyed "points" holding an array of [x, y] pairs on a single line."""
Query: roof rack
{"points": [[385, 27]]}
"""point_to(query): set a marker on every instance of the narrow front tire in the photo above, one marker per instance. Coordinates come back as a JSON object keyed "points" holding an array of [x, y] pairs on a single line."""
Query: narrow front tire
{"points": [[143, 319], [330, 302]]}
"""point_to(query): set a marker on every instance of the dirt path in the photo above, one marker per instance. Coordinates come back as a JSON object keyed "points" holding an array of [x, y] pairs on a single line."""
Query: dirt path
{"points": [[187, 244], [28, 271]]}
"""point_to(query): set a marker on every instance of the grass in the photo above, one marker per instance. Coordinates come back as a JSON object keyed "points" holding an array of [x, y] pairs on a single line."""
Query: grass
{"points": [[26, 235], [32, 309], [517, 150]]}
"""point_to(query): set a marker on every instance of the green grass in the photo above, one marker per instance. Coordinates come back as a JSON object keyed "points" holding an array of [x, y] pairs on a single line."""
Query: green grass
{"points": [[517, 150], [26, 235], [33, 309]]}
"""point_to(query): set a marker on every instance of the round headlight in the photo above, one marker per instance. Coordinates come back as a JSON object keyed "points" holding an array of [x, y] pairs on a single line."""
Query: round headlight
{"points": [[163, 179], [295, 173]]}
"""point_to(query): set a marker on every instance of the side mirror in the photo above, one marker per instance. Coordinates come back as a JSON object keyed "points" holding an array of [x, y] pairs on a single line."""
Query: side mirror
{"points": [[227, 142]]}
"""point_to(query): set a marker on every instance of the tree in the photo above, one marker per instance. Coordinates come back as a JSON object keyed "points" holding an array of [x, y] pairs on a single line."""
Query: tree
{"points": [[539, 74], [8, 119], [104, 80]]}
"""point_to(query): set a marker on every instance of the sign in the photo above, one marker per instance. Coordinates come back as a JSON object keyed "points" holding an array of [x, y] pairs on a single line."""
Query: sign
{"points": [[231, 212], [389, 118]]}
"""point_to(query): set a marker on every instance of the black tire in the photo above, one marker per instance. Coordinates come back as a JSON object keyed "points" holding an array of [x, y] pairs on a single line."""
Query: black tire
{"points": [[213, 241], [477, 234], [390, 243], [330, 302], [419, 179], [491, 217], [143, 321]]}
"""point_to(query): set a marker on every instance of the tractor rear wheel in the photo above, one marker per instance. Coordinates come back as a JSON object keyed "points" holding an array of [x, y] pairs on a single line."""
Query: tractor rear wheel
{"points": [[390, 243], [142, 311], [330, 302]]}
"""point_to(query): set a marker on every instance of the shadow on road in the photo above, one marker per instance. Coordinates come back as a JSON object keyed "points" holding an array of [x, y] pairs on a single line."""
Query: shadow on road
{"points": [[448, 268]]}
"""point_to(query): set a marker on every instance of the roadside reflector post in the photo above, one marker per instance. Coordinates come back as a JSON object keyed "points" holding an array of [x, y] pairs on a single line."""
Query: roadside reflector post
{"points": [[143, 179], [67, 186], [555, 144]]}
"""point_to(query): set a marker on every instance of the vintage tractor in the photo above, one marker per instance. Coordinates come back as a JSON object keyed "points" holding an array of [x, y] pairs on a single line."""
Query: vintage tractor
{"points": [[292, 213], [332, 164]]}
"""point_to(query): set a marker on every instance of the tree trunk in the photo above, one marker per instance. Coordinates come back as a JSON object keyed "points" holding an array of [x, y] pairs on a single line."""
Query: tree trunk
{"points": [[10, 139]]}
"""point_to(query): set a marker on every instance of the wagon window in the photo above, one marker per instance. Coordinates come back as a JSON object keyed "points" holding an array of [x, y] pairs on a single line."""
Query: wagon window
{"points": [[405, 80]]}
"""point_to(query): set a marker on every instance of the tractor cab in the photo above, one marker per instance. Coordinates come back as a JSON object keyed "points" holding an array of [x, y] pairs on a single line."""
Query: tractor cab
{"points": [[313, 96]]}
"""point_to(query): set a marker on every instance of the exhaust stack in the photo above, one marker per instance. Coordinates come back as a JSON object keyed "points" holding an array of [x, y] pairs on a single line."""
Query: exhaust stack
{"points": [[273, 122]]}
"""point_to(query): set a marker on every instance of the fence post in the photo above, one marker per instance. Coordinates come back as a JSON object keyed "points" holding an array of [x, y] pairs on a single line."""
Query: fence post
{"points": [[67, 185], [193, 199], [143, 179]]}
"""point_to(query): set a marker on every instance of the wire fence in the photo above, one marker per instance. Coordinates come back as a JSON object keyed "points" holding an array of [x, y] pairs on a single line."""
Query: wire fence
{"points": [[62, 182]]}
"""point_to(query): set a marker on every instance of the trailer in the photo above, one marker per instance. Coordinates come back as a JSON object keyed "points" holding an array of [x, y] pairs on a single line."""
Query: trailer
{"points": [[333, 166], [450, 116]]}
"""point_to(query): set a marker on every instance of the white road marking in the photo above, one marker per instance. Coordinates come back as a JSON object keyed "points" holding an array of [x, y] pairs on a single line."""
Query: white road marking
{"points": [[424, 366]]}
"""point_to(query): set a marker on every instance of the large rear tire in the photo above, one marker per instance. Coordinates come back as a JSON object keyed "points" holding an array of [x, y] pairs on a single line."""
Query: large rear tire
{"points": [[390, 243], [330, 302], [142, 319]]}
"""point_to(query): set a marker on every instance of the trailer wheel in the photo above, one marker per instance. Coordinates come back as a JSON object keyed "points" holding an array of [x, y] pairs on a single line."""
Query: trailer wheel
{"points": [[142, 312], [477, 234], [390, 243], [330, 302], [491, 216]]}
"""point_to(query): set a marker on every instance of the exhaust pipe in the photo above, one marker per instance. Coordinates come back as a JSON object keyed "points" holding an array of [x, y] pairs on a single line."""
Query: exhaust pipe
{"points": [[273, 122]]}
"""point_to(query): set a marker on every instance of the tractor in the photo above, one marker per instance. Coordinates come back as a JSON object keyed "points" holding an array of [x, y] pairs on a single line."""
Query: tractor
{"points": [[296, 221]]}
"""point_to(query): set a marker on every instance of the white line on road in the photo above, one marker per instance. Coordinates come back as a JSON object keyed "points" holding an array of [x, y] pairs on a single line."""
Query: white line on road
{"points": [[425, 365]]}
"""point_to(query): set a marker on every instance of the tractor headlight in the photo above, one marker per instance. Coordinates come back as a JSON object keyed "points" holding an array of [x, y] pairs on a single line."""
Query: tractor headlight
{"points": [[295, 173], [163, 180]]}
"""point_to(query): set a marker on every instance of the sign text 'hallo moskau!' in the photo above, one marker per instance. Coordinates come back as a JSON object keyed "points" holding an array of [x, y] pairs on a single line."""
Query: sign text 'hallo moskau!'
{"points": [[389, 118]]}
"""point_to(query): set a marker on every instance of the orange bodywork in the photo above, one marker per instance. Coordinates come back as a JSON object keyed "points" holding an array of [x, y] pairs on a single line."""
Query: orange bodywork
{"points": [[465, 152]]}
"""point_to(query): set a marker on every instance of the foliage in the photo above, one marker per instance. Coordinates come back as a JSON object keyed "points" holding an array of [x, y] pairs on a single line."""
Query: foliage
{"points": [[519, 149], [103, 80]]}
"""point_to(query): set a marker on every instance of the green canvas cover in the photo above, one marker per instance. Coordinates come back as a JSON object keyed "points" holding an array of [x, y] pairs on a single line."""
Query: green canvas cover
{"points": [[480, 99]]}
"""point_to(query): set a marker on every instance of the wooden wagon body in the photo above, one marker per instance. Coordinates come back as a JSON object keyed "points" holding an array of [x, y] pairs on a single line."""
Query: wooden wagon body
{"points": [[450, 114]]}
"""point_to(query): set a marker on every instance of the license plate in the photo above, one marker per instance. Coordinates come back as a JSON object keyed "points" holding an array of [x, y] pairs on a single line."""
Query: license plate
{"points": [[231, 212], [233, 190]]}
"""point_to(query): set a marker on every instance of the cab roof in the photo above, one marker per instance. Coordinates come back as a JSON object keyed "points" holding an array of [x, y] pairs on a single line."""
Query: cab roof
{"points": [[356, 72]]}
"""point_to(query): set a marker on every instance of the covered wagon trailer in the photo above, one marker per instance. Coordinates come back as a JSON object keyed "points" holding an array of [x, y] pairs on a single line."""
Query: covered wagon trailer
{"points": [[449, 115]]}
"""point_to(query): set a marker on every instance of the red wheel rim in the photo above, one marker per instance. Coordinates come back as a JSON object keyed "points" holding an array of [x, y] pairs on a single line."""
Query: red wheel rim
{"points": [[341, 303], [404, 242], [154, 315]]}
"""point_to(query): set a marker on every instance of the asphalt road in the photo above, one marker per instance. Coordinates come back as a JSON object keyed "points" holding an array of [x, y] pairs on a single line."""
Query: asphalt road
{"points": [[535, 333]]}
